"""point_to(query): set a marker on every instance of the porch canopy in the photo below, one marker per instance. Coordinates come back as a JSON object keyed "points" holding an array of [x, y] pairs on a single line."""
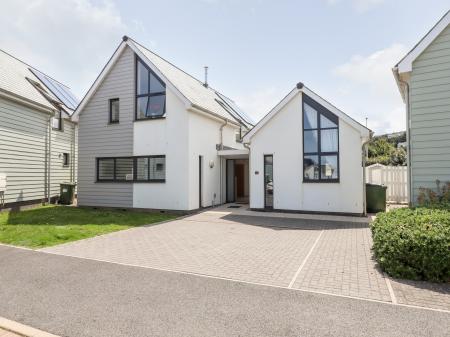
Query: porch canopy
{"points": [[233, 153]]}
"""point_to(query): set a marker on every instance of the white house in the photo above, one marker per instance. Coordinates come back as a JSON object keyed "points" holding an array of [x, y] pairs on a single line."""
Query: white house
{"points": [[154, 137], [37, 138], [306, 155]]}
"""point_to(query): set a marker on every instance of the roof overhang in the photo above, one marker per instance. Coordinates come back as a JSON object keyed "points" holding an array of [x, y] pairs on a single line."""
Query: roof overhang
{"points": [[301, 88], [405, 65], [25, 101]]}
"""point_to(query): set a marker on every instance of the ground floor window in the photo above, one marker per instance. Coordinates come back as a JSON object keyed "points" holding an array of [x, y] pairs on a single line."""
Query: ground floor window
{"points": [[137, 168]]}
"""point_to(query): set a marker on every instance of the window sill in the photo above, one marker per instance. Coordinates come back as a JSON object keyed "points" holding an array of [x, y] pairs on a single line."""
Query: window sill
{"points": [[149, 118], [331, 181], [113, 123], [131, 181]]}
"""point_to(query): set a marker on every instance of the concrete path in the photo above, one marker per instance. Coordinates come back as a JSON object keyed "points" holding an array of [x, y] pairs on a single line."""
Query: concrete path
{"points": [[308, 252], [77, 297]]}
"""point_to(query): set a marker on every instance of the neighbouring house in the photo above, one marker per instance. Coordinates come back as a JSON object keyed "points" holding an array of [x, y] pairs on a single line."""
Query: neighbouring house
{"points": [[37, 137], [307, 155], [151, 136], [423, 78]]}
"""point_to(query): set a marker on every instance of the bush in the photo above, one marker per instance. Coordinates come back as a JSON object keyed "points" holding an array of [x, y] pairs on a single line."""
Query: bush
{"points": [[414, 243]]}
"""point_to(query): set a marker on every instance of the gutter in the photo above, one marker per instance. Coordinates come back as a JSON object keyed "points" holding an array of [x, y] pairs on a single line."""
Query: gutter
{"points": [[29, 103]]}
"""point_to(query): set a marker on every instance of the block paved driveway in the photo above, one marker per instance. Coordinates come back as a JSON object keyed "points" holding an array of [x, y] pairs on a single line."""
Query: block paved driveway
{"points": [[323, 256]]}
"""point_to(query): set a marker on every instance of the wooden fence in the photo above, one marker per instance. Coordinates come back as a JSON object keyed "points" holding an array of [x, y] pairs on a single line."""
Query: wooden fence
{"points": [[394, 177]]}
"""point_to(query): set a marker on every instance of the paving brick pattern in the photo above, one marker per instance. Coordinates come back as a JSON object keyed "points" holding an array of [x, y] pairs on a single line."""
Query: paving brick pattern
{"points": [[422, 294], [262, 249], [204, 245], [342, 264]]}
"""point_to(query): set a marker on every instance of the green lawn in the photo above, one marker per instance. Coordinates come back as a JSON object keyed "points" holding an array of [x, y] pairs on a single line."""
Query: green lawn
{"points": [[51, 225]]}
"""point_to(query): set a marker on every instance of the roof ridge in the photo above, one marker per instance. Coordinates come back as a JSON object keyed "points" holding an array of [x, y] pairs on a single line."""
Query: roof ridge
{"points": [[30, 66], [178, 68]]}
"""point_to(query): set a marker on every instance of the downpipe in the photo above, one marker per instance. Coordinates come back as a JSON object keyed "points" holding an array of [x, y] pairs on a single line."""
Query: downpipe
{"points": [[225, 123]]}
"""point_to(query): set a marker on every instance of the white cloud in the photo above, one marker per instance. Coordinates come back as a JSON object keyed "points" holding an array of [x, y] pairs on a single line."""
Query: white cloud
{"points": [[70, 40], [359, 5], [368, 87], [259, 102]]}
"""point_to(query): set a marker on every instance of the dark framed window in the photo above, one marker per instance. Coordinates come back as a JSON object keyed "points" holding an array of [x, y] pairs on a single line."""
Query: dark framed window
{"points": [[320, 143], [66, 159], [114, 110], [57, 121], [150, 93], [132, 169]]}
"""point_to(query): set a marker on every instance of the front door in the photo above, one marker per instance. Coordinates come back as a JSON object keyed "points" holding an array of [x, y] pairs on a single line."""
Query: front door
{"points": [[268, 181], [240, 187]]}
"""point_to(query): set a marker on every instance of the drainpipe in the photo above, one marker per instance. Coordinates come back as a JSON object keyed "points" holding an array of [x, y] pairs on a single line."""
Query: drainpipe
{"points": [[364, 155], [49, 192], [221, 133], [408, 140]]}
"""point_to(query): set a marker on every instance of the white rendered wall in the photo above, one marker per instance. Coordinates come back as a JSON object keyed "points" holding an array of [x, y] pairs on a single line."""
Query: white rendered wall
{"points": [[282, 137], [169, 137], [204, 135]]}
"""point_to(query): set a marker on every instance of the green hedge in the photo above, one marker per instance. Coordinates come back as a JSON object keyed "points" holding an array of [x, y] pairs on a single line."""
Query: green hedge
{"points": [[414, 243]]}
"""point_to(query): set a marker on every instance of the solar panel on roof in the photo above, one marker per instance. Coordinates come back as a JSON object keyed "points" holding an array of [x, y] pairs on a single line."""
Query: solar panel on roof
{"points": [[60, 91], [236, 109]]}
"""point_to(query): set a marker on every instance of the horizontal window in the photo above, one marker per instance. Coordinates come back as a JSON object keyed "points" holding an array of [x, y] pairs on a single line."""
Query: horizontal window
{"points": [[142, 169]]}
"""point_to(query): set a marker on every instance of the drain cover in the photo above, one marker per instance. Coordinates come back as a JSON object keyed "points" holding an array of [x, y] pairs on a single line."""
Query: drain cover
{"points": [[234, 206]]}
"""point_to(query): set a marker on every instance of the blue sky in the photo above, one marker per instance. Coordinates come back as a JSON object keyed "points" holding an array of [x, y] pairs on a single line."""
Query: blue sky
{"points": [[257, 50]]}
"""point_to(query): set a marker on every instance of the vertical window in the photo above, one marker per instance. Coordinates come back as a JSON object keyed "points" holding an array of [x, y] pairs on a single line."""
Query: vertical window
{"points": [[150, 93], [114, 110], [66, 160], [320, 143], [57, 121]]}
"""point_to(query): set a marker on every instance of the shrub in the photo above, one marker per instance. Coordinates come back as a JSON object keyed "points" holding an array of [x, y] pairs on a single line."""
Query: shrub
{"points": [[429, 197], [414, 243]]}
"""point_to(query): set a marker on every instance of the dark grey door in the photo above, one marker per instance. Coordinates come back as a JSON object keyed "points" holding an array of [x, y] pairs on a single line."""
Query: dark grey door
{"points": [[268, 181]]}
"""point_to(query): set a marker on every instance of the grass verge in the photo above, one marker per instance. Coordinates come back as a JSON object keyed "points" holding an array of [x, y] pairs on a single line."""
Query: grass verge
{"points": [[52, 225]]}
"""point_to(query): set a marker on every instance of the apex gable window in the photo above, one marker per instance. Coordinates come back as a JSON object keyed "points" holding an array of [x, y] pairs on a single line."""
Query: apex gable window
{"points": [[114, 105], [150, 93], [320, 143]]}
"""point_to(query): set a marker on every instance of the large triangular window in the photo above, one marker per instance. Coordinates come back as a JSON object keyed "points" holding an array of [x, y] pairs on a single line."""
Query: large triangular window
{"points": [[150, 93], [320, 143]]}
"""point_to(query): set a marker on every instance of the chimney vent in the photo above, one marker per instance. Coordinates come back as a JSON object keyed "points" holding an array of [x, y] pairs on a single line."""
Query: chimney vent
{"points": [[205, 84]]}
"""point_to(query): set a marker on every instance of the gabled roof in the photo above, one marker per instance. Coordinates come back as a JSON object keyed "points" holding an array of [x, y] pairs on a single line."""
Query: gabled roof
{"points": [[301, 88], [21, 81], [190, 90], [405, 65]]}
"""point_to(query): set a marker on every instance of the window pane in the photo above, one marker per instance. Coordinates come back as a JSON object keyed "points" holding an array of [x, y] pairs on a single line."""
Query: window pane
{"points": [[328, 167], [311, 167], [329, 140], [156, 85], [310, 117], [311, 144], [142, 79], [124, 169], [157, 168], [106, 169], [156, 106], [326, 123], [142, 169], [142, 103], [115, 110]]}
